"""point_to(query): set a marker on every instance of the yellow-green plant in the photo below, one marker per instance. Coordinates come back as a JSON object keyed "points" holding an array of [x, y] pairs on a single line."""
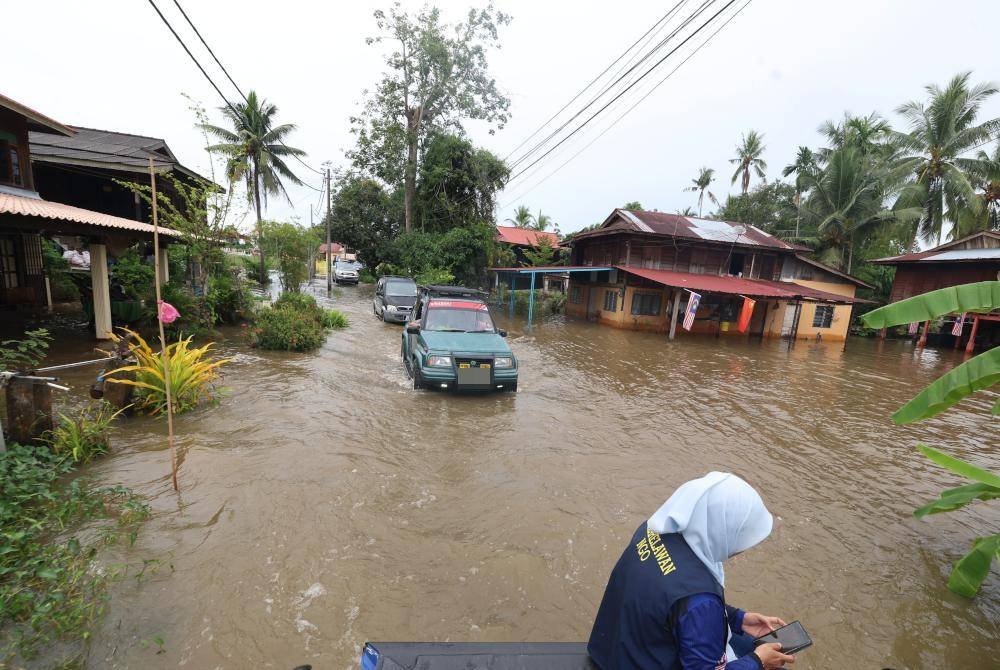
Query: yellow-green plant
{"points": [[83, 435], [193, 374]]}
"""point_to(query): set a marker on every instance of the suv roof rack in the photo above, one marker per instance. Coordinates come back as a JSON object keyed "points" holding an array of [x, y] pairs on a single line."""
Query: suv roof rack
{"points": [[454, 291]]}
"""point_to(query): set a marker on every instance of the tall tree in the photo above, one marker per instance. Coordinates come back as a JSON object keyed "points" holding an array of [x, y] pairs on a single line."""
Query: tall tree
{"points": [[805, 164], [868, 134], [365, 217], [633, 205], [523, 218], [255, 151], [458, 184], [543, 221], [985, 175], [748, 157], [940, 132], [846, 202], [438, 76], [700, 186]]}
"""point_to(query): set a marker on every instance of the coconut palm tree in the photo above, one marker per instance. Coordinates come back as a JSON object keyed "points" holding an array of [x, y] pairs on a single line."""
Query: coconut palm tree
{"points": [[805, 164], [255, 151], [985, 176], [846, 202], [542, 221], [868, 134], [748, 157], [940, 132], [522, 218], [687, 211], [700, 185]]}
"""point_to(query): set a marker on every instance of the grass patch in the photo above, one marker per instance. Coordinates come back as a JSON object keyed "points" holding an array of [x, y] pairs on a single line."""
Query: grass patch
{"points": [[335, 319], [49, 587]]}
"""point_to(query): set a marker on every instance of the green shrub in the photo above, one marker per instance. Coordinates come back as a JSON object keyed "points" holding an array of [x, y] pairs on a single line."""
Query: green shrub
{"points": [[228, 298], [285, 328], [300, 301], [365, 276], [435, 276], [49, 590], [196, 316], [84, 435], [335, 319], [57, 269], [133, 275]]}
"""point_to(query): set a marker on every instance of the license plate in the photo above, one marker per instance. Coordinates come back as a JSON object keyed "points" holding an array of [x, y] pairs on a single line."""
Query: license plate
{"points": [[472, 374]]}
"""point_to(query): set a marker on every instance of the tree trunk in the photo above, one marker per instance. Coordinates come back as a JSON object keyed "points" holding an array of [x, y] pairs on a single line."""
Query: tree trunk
{"points": [[746, 180], [260, 227], [850, 253], [410, 176]]}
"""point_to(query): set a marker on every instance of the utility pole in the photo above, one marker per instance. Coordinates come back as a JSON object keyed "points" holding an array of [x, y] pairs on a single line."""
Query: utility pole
{"points": [[329, 270]]}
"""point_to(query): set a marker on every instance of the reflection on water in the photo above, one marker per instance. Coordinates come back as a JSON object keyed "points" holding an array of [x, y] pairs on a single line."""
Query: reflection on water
{"points": [[324, 503]]}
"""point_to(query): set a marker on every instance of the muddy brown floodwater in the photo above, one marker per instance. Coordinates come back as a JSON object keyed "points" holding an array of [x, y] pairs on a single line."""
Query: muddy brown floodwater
{"points": [[324, 503]]}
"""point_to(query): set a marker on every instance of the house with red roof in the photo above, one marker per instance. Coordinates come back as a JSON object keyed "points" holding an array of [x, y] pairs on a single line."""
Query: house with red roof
{"points": [[651, 262], [973, 258]]}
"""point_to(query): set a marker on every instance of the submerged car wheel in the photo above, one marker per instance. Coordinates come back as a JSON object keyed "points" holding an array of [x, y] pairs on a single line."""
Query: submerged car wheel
{"points": [[418, 379]]}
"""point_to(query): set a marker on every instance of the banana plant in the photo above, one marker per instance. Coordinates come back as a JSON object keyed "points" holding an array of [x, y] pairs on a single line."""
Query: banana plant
{"points": [[976, 374]]}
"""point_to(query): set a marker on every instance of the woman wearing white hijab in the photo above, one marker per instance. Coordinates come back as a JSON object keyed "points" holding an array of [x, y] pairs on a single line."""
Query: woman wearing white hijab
{"points": [[664, 605]]}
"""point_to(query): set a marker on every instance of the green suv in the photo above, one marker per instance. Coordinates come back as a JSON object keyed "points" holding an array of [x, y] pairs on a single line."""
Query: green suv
{"points": [[452, 343]]}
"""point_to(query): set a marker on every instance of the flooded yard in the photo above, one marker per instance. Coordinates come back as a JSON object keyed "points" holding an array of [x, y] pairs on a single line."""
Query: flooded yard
{"points": [[324, 503]]}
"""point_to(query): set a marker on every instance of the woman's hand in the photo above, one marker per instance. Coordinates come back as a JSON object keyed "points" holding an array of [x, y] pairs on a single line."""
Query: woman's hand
{"points": [[771, 657], [757, 624]]}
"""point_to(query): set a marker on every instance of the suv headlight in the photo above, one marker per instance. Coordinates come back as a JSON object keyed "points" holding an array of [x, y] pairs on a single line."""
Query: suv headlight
{"points": [[439, 361], [390, 308], [503, 362]]}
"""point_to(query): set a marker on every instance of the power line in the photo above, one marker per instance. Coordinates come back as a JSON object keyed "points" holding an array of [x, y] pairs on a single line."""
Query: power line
{"points": [[212, 82], [629, 110], [617, 80], [627, 89], [592, 82], [209, 49]]}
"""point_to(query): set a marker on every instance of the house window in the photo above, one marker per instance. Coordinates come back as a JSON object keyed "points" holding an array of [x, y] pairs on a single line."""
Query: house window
{"points": [[823, 316], [646, 304], [575, 295], [10, 164], [8, 263], [611, 301]]}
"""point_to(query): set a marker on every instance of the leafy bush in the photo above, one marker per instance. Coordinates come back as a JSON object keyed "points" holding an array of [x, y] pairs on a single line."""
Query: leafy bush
{"points": [[299, 301], [48, 588], [228, 298], [193, 374], [335, 319], [17, 355], [286, 329], [196, 316], [84, 435], [57, 269], [435, 276], [292, 248], [133, 275], [366, 276]]}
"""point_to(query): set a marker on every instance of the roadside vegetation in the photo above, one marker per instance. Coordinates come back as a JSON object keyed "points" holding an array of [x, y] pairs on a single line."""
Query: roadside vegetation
{"points": [[53, 525], [295, 322]]}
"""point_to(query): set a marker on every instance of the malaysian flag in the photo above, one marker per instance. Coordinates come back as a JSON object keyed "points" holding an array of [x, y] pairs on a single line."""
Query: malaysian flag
{"points": [[692, 309], [956, 330]]}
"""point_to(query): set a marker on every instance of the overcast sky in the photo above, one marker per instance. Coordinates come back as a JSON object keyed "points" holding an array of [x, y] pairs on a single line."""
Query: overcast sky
{"points": [[781, 67]]}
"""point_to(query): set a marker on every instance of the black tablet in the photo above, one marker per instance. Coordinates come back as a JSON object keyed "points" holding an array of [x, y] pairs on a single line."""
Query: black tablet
{"points": [[793, 638]]}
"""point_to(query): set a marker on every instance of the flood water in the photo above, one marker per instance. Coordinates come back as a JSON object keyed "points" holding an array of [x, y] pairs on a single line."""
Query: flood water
{"points": [[324, 503]]}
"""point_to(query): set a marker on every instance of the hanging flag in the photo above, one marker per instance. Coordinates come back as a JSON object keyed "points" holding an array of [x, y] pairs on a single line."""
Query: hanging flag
{"points": [[914, 327], [692, 309], [746, 314], [956, 330]]}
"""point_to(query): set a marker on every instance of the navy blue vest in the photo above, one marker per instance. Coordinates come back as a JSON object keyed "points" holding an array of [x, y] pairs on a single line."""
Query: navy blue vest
{"points": [[633, 629]]}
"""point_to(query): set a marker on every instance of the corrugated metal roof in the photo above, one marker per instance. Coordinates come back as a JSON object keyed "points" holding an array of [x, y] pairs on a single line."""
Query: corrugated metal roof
{"points": [[938, 254], [524, 236], [965, 255], [694, 228], [754, 288], [38, 208]]}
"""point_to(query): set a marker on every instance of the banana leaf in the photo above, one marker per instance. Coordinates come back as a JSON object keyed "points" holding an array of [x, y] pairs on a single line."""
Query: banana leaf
{"points": [[952, 499], [960, 467], [979, 297], [975, 374], [969, 573]]}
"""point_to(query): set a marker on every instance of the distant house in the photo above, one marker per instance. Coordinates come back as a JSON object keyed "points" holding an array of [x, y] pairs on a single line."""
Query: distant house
{"points": [[518, 240], [973, 258], [338, 252], [650, 262]]}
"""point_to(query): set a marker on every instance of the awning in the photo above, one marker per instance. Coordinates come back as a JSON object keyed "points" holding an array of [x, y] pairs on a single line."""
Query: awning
{"points": [[753, 288], [43, 209]]}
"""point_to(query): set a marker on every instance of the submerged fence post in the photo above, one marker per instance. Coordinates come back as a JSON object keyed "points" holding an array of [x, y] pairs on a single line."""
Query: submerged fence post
{"points": [[531, 299]]}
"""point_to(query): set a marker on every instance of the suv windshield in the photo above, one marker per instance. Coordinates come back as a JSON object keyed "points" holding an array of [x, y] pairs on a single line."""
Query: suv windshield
{"points": [[400, 288], [462, 317]]}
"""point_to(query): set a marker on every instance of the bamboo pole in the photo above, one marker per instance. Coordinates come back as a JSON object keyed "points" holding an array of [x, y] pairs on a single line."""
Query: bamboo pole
{"points": [[163, 337]]}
